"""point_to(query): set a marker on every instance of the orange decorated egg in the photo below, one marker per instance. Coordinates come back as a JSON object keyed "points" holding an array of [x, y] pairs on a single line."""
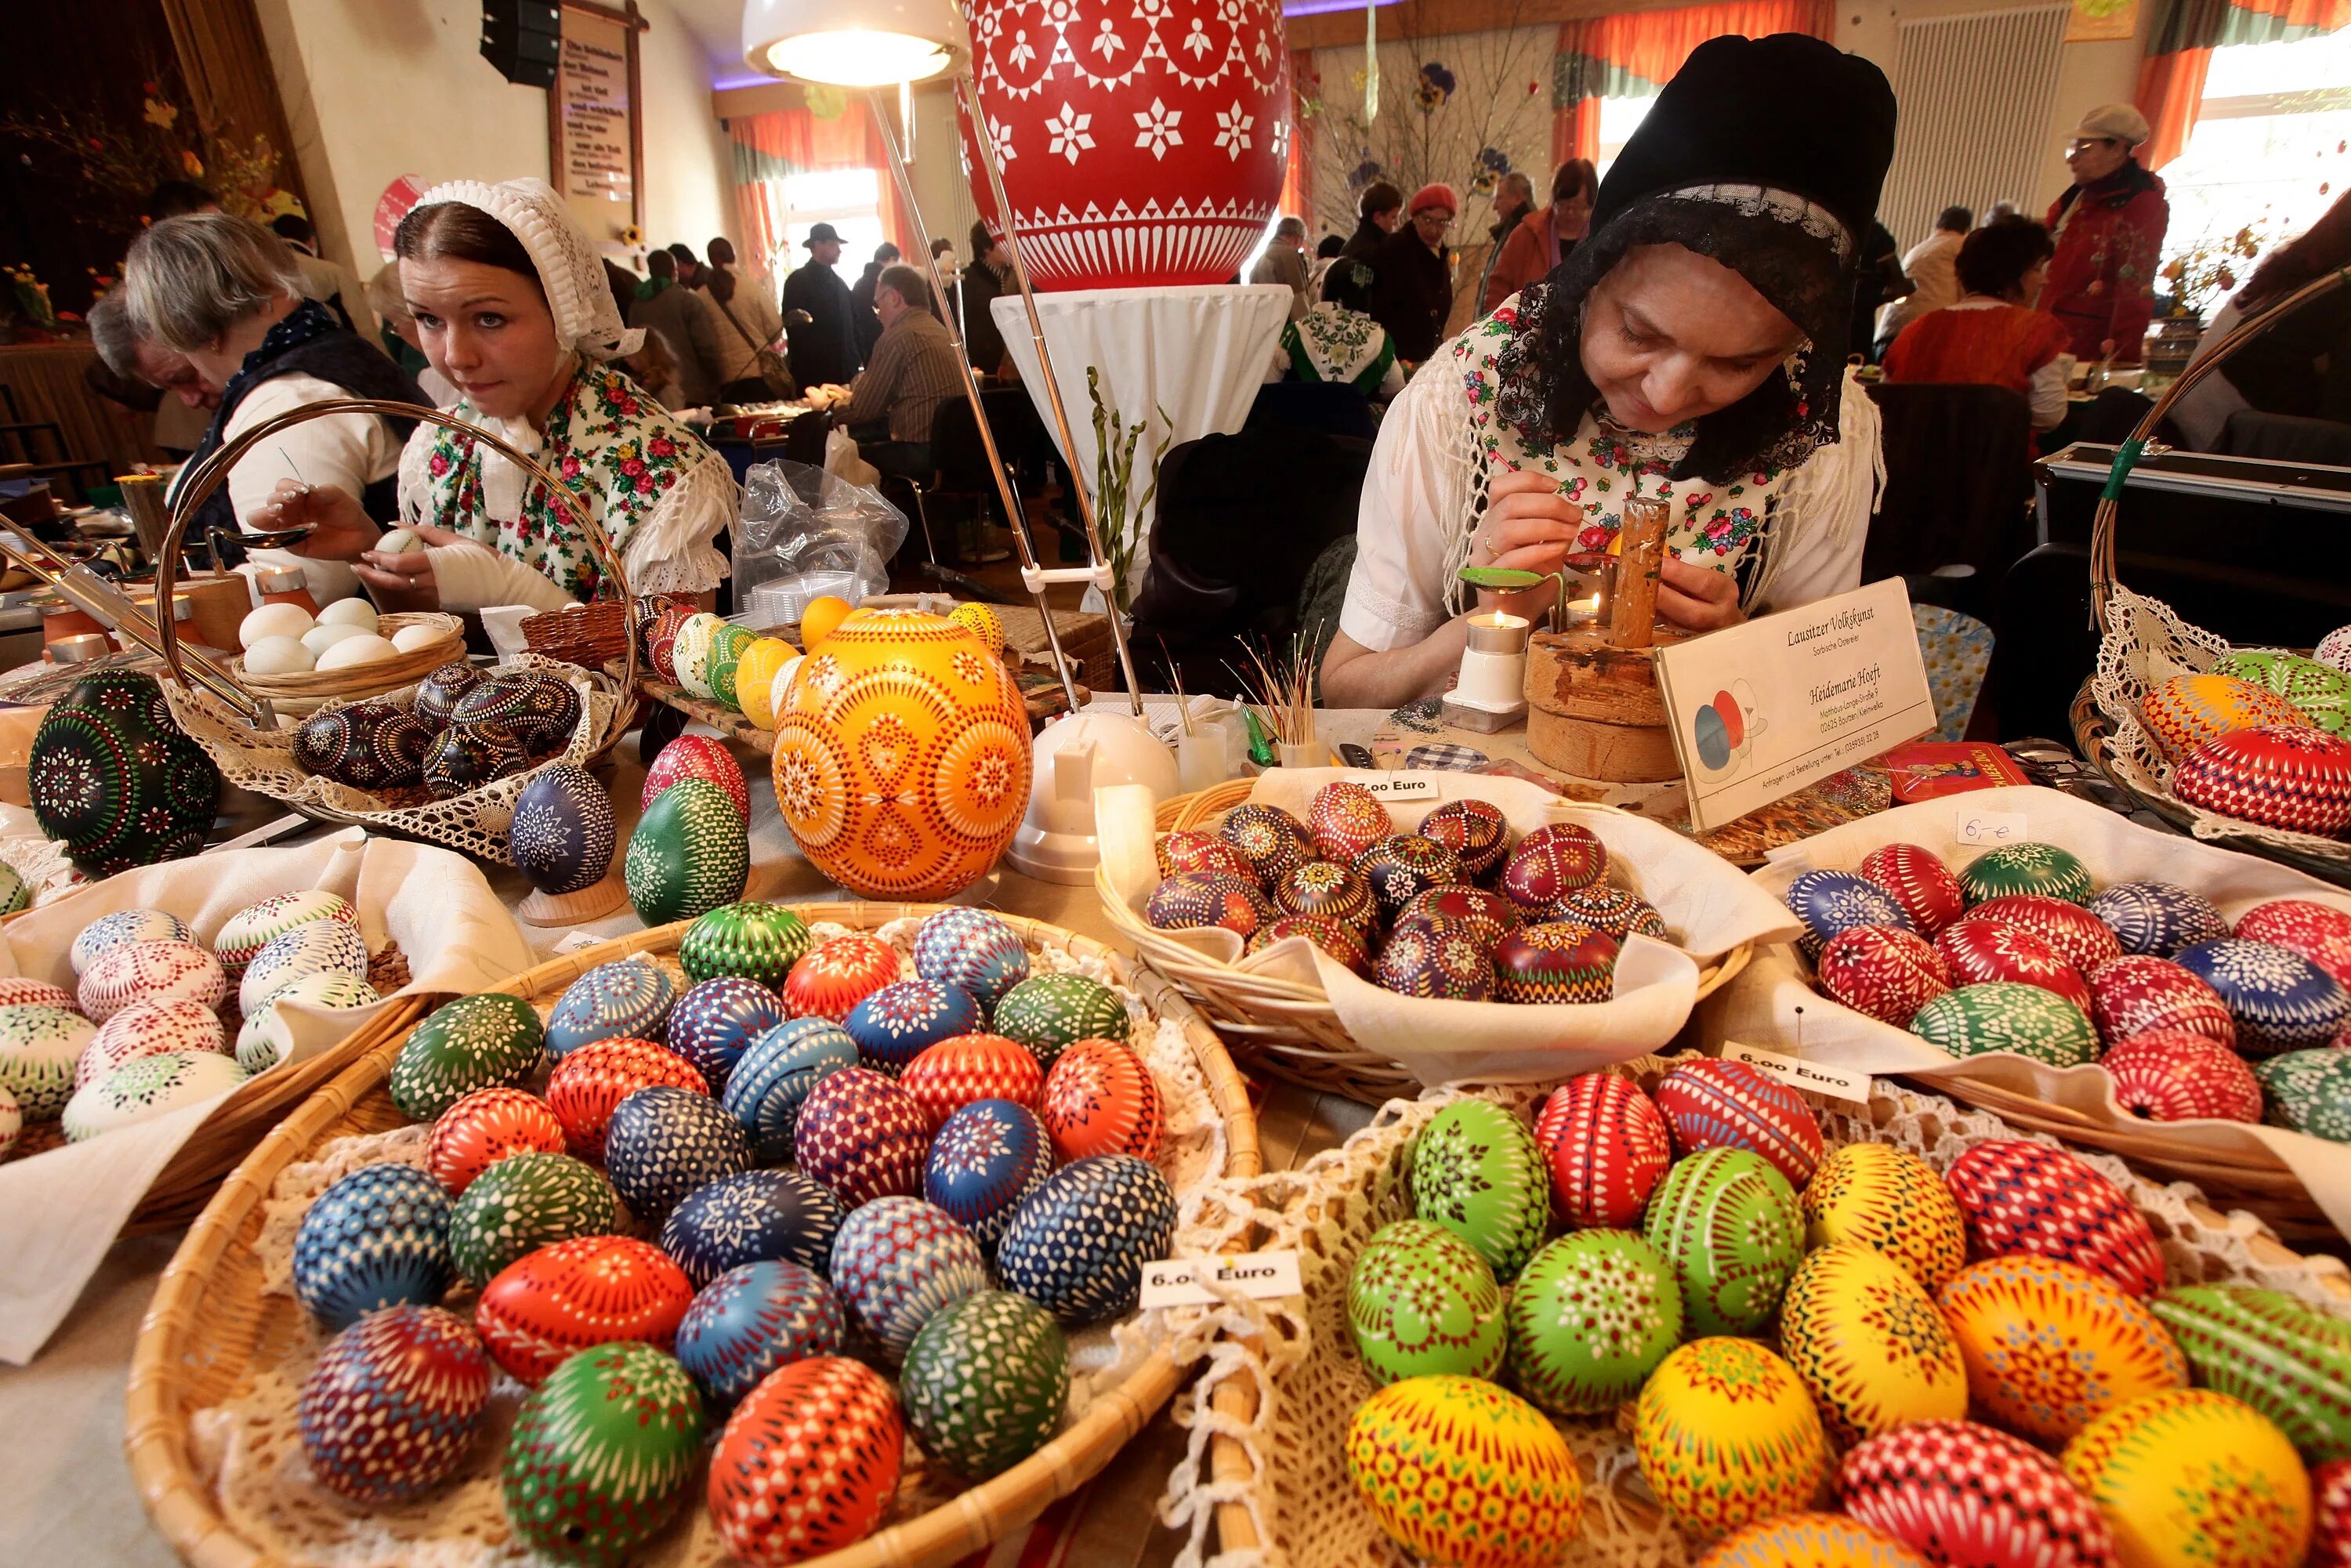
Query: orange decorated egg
{"points": [[953, 1074], [483, 1128], [2186, 711], [1100, 1100], [566, 1297], [828, 980], [2050, 1347]]}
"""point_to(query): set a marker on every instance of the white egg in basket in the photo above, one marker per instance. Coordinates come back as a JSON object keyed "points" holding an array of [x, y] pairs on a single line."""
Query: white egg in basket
{"points": [[151, 972], [353, 652], [262, 1040], [327, 633], [279, 656], [314, 947], [352, 611], [408, 639], [273, 621]]}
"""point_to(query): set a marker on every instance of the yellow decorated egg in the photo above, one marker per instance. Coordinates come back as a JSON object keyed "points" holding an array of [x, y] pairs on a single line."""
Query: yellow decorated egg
{"points": [[1811, 1541], [2051, 1346], [2186, 711], [1461, 1472], [984, 622], [821, 618], [1870, 1343], [902, 755], [1882, 1195], [1726, 1436], [755, 678], [2194, 1477]]}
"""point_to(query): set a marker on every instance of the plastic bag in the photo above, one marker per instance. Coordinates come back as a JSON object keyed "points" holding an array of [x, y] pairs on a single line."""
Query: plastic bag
{"points": [[805, 533]]}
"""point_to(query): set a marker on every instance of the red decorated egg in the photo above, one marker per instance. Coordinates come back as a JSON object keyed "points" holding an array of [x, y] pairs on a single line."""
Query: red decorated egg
{"points": [[1968, 1494], [697, 756], [16, 991], [1195, 900], [807, 1463], [660, 639], [2177, 1077], [393, 1404], [1615, 911], [2330, 1515], [1712, 1103], [1100, 1099], [2319, 932], [2299, 779], [1346, 820], [1555, 859], [2136, 994], [1271, 841], [828, 980], [149, 1029], [483, 1128], [863, 1135], [1403, 866], [1883, 971], [151, 972], [588, 1290], [1607, 1146], [587, 1084], [2071, 932], [1343, 943], [1927, 889], [1983, 950], [1435, 957], [1185, 850], [2036, 1199], [1554, 961], [1489, 916], [1474, 831], [946, 1077]]}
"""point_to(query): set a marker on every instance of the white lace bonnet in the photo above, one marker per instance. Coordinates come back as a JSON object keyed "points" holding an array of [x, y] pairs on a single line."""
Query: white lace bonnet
{"points": [[569, 268]]}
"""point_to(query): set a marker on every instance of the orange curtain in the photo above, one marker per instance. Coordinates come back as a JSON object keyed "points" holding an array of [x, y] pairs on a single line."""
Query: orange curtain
{"points": [[2179, 54], [1632, 54], [1297, 174], [793, 140], [2170, 92]]}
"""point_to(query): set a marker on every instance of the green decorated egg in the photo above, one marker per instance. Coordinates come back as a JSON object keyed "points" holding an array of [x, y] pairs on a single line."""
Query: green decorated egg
{"points": [[116, 780], [1590, 1317], [600, 1452], [2008, 1015], [1420, 1300], [984, 1382], [2323, 695], [523, 1203], [16, 893], [689, 854], [1870, 1343], [726, 650], [1477, 1172], [2309, 1091], [1049, 1013], [758, 941], [1729, 1225], [471, 1043], [2288, 1362], [38, 1047], [2028, 867]]}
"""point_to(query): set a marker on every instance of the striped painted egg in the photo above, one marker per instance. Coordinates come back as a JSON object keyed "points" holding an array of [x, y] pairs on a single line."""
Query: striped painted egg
{"points": [[1187, 850], [1883, 971], [1920, 882], [1078, 1245], [2279, 1000], [2007, 1015], [2287, 1361], [523, 1203], [1590, 1318], [1829, 902], [266, 1038], [16, 991], [1981, 952], [255, 926], [1345, 819], [2136, 995], [2073, 933], [1870, 1343], [985, 1381], [1550, 863], [459, 762], [1100, 1099], [600, 1454], [1884, 1196], [1474, 830], [862, 1135], [759, 942], [120, 929], [2022, 1197], [438, 693], [545, 1306], [1342, 943], [39, 1046], [2028, 867], [973, 950], [629, 998], [659, 634], [1435, 957], [2308, 1090], [984, 623], [1047, 1013], [954, 1072], [753, 1318], [896, 1261], [1403, 866], [1964, 1493], [831, 979], [2050, 1346], [2183, 712], [1459, 1471], [1201, 900], [314, 947], [727, 650], [1555, 961], [807, 1463], [395, 1404], [897, 1023], [984, 1161], [752, 1218], [587, 1084], [1810, 1540], [1607, 1146], [484, 1127], [471, 1043], [2157, 917], [154, 972], [540, 709], [1477, 1172], [1271, 842], [2319, 932], [771, 1082], [1612, 911], [1329, 889], [1420, 1300], [1489, 916], [148, 1087], [1712, 1103], [377, 1238], [688, 854], [2192, 1478], [697, 756], [2282, 777], [717, 1021], [1725, 1435], [149, 1029], [663, 1142], [2179, 1077], [1728, 1224], [565, 830]]}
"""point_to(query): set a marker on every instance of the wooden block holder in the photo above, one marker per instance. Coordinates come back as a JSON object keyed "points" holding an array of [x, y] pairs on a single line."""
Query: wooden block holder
{"points": [[1592, 707]]}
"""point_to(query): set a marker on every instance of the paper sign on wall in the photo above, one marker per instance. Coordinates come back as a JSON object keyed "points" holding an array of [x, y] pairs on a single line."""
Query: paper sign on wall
{"points": [[1761, 710]]}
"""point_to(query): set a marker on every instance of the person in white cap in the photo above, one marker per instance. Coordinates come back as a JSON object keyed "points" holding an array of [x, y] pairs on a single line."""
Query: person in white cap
{"points": [[511, 305], [2108, 226]]}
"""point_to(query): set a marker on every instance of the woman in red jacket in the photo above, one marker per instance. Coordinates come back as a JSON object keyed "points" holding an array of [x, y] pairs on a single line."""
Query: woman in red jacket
{"points": [[1542, 239], [2108, 226]]}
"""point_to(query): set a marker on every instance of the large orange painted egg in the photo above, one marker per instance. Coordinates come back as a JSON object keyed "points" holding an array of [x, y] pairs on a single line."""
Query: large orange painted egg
{"points": [[902, 755]]}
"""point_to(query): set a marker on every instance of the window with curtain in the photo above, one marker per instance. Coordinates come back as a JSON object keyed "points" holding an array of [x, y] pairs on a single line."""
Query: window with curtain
{"points": [[848, 199], [2267, 147], [793, 169], [1605, 64]]}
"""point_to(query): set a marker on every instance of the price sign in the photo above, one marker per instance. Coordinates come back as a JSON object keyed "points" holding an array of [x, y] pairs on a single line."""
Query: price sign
{"points": [[1992, 829]]}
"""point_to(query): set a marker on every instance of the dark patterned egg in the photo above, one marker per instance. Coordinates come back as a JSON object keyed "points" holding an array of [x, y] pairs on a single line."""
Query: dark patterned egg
{"points": [[1474, 831], [540, 709], [461, 761], [758, 941], [1345, 819], [2319, 932], [1984, 950], [1920, 882], [1828, 902], [1185, 850], [2276, 775], [772, 1080], [393, 1404], [484, 1127], [1883, 971], [525, 1203], [438, 693], [370, 745], [629, 996], [1273, 843], [897, 1023], [862, 1135], [1331, 890], [972, 949], [984, 1162], [688, 854], [2030, 867], [375, 1238], [2074, 933], [1047, 1013], [1401, 867], [2279, 1000], [587, 1084], [1551, 861], [1555, 961], [1607, 1146], [2022, 1197], [697, 756], [1959, 1492], [547, 1305], [1713, 1103], [2139, 994], [1195, 900], [985, 1381], [600, 1454], [1100, 1099], [954, 1072], [835, 976], [751, 1217], [899, 1259], [751, 1319], [1435, 957], [719, 1019], [808, 1462], [564, 832], [1489, 916], [1078, 1246], [2177, 1077], [1612, 911], [2004, 1015], [663, 1142], [468, 1044], [2157, 917], [1343, 943], [115, 779]]}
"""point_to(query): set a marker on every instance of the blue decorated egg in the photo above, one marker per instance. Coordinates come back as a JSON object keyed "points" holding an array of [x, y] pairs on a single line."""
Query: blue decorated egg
{"points": [[899, 1259], [900, 1021], [861, 1135], [314, 947], [664, 1141], [717, 1021], [752, 1320], [564, 830], [120, 929], [393, 1404], [1829, 902], [972, 949], [984, 1161], [1077, 1247], [629, 998], [2157, 918], [750, 1217], [255, 926], [771, 1082], [2279, 1000], [375, 1238]]}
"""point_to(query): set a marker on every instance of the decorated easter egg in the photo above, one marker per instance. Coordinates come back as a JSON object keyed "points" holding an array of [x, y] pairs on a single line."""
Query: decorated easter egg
{"points": [[2179, 1077], [691, 654], [540, 709], [753, 1318], [1432, 957], [2073, 933], [2308, 1090], [1810, 1540], [836, 976], [972, 950], [154, 972], [600, 1454], [370, 746], [2051, 1346], [1345, 819], [660, 638], [2319, 932], [687, 855], [2007, 1015], [862, 1135], [1474, 830], [438, 693], [1590, 1318], [2279, 776], [1197, 900], [755, 678], [896, 1024], [1330, 889], [697, 756], [1459, 1471], [663, 1142], [1728, 1224], [564, 830], [315, 948], [116, 780], [1964, 1493], [954, 1072], [1870, 1343], [547, 1305], [1271, 842], [982, 621], [2183, 712], [1100, 1099], [16, 991], [1342, 943], [1489, 916], [1187, 850], [807, 1463], [11, 1123], [377, 1238], [148, 1029], [1725, 1435], [1477, 1172], [771, 1082], [1883, 971], [1554, 961], [1829, 902], [717, 1021], [2022, 1197], [1420, 1300], [1884, 1196], [984, 1161], [2330, 1505], [460, 761], [393, 1404], [984, 1382], [1610, 910], [255, 926], [1712, 1103], [39, 1048], [627, 997], [1551, 861], [2157, 917], [1047, 1013], [120, 929], [752, 1218], [16, 893], [756, 941], [2192, 1477], [2288, 1362], [1403, 866], [523, 1203], [464, 1045], [2279, 1000], [1920, 882], [265, 1038], [147, 1087], [2334, 650], [1606, 1144], [896, 1261], [1982, 951], [2320, 693], [587, 1084], [1077, 1247], [2137, 994], [2028, 867]]}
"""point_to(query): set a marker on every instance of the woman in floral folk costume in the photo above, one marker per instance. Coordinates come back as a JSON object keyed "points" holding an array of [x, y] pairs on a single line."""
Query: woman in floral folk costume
{"points": [[1692, 347], [511, 305]]}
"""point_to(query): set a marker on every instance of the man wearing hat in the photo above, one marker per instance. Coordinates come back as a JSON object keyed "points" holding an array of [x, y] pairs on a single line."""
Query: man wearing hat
{"points": [[824, 347], [1412, 280], [2108, 226]]}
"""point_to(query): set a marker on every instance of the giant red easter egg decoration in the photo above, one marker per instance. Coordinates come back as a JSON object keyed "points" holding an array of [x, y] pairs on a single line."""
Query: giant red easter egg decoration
{"points": [[1142, 144]]}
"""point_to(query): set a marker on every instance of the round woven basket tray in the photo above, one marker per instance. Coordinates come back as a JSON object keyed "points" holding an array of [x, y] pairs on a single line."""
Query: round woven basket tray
{"points": [[1281, 1027], [308, 690], [212, 1328]]}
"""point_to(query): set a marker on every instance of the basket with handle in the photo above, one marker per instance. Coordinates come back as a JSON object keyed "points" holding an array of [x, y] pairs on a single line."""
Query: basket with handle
{"points": [[235, 719]]}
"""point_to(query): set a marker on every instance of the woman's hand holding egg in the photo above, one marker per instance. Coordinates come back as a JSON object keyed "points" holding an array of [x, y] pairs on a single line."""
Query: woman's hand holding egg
{"points": [[402, 577]]}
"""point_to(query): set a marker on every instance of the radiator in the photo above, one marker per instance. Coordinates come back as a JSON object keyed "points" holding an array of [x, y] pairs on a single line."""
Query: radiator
{"points": [[1975, 96]]}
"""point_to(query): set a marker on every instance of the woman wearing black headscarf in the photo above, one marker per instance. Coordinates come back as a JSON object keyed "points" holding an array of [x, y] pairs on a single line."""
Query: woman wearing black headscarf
{"points": [[1693, 348]]}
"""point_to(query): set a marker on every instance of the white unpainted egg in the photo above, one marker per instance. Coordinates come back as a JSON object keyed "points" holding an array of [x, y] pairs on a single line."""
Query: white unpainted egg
{"points": [[327, 633], [278, 656], [397, 541], [408, 639], [364, 649], [273, 621], [356, 612]]}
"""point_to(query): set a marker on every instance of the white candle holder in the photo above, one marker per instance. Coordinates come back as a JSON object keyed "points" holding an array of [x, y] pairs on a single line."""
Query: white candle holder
{"points": [[1490, 693]]}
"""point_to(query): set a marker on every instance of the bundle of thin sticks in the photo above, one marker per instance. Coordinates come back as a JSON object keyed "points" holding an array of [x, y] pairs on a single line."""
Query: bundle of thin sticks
{"points": [[1280, 689]]}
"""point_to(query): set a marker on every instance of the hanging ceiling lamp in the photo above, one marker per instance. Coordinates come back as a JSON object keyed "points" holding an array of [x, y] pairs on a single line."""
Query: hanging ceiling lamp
{"points": [[851, 43]]}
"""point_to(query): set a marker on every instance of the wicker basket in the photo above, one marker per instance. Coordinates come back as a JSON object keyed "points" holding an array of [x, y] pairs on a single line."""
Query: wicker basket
{"points": [[1283, 1028], [587, 635], [210, 1326], [309, 690]]}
